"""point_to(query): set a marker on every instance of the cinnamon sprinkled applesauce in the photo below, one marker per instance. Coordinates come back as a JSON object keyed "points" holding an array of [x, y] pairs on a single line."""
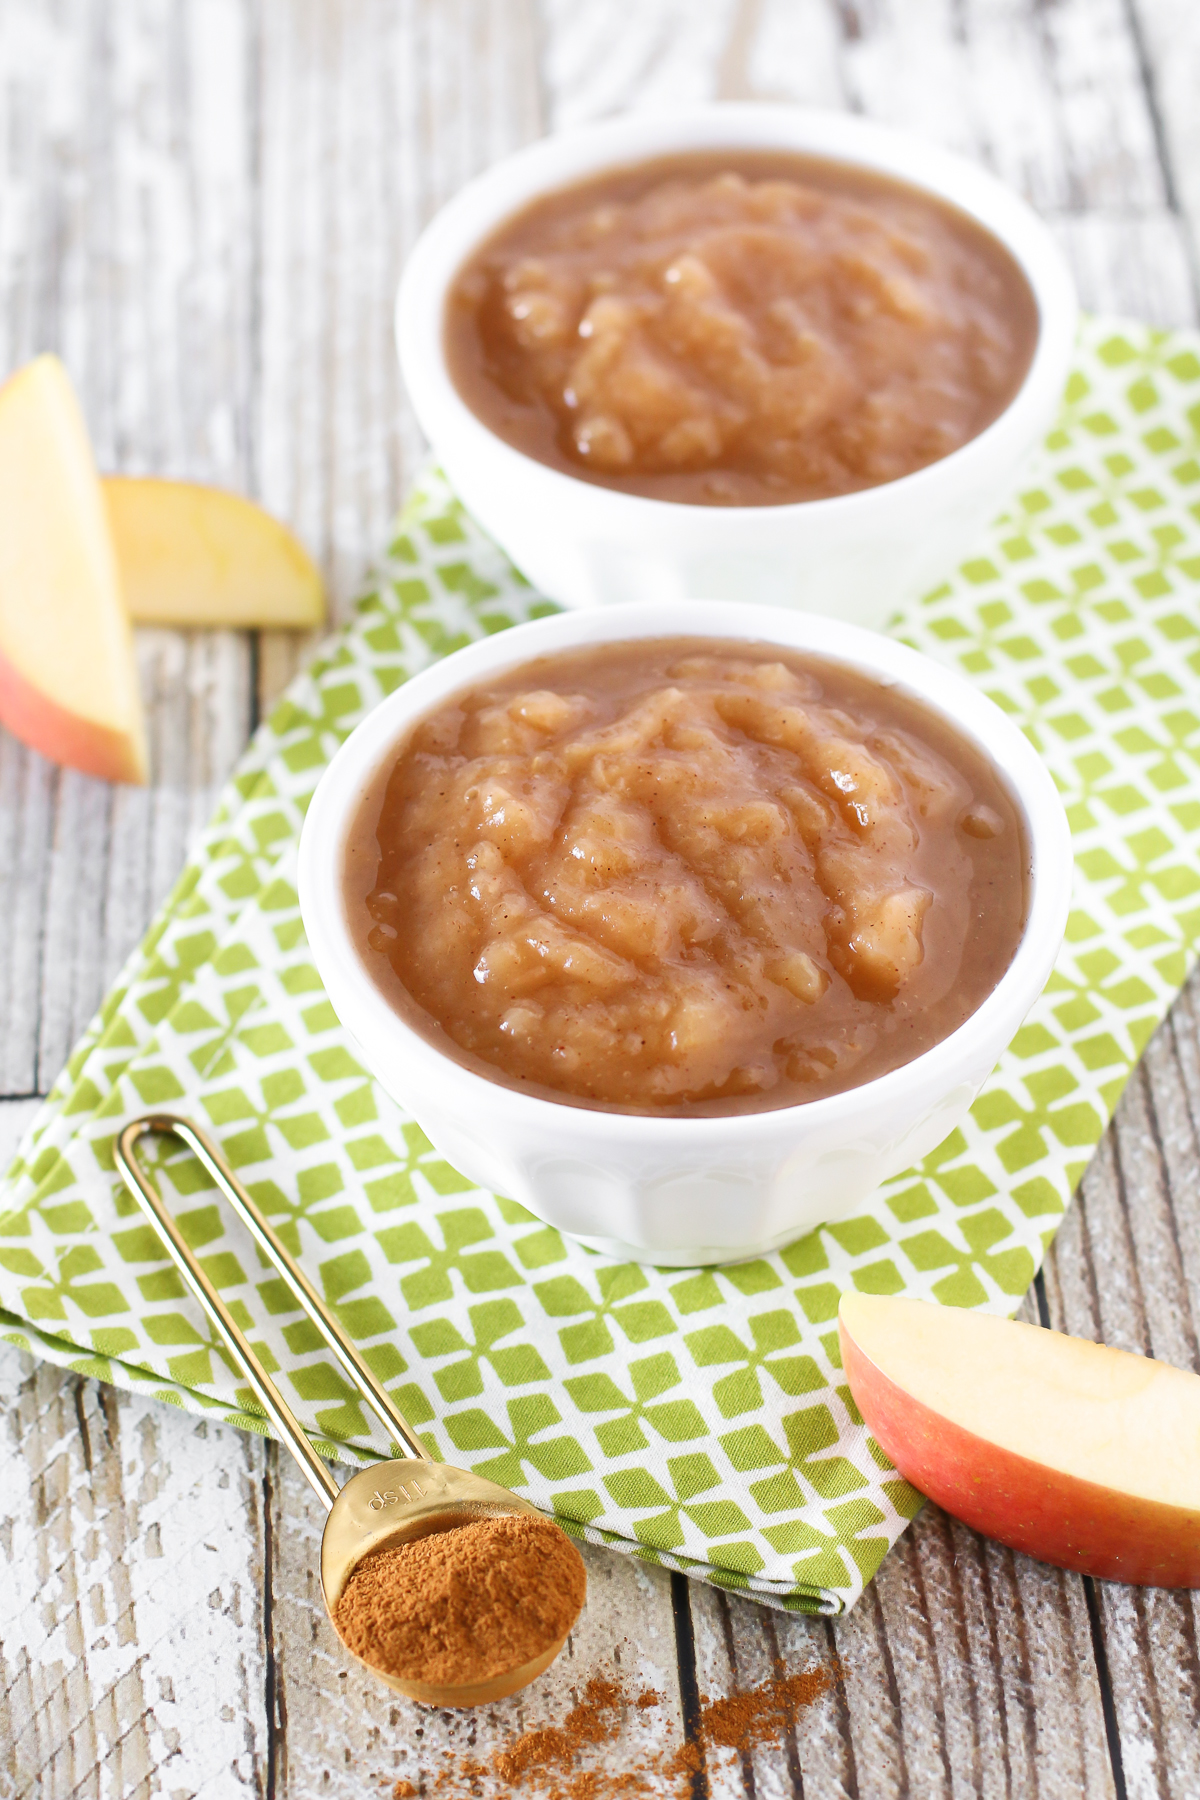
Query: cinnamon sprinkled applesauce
{"points": [[739, 328], [686, 876]]}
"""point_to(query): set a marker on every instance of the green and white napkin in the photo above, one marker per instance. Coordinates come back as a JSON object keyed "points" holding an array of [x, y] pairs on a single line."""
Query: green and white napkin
{"points": [[697, 1418]]}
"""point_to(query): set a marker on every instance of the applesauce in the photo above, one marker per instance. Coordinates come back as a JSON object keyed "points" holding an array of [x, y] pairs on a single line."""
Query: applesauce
{"points": [[739, 328], [685, 876]]}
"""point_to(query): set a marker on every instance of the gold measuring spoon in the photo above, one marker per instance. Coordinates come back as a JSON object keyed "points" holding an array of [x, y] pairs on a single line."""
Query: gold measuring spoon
{"points": [[392, 1503]]}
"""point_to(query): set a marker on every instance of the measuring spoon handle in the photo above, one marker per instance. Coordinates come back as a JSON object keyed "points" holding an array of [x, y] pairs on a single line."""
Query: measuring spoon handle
{"points": [[269, 1398], [302, 1291]]}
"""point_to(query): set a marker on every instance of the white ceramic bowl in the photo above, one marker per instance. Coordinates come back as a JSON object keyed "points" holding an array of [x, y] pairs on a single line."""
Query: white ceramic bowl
{"points": [[691, 1190], [856, 556]]}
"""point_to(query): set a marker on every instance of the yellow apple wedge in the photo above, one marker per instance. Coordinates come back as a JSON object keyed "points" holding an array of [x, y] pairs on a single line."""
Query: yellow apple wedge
{"points": [[68, 681], [192, 555], [1079, 1455]]}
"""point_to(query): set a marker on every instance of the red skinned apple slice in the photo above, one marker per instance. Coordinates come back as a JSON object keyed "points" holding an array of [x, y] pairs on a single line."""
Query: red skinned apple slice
{"points": [[1077, 1454], [68, 681]]}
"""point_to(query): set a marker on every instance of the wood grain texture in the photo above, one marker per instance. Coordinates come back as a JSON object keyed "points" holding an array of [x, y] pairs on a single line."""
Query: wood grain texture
{"points": [[1125, 1269], [369, 115], [207, 204], [1166, 36], [127, 250], [965, 1669], [122, 1673]]}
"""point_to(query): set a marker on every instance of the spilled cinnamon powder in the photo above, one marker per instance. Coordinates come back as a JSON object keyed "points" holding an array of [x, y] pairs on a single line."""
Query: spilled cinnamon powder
{"points": [[464, 1605], [745, 1719], [555, 1747], [545, 1760]]}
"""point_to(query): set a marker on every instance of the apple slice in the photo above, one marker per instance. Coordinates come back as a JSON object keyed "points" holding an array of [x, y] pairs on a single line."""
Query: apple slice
{"points": [[68, 681], [192, 555], [1077, 1454]]}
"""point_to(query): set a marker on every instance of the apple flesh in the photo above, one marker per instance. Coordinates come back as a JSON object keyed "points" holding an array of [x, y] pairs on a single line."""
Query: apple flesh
{"points": [[192, 555], [1074, 1453], [68, 681]]}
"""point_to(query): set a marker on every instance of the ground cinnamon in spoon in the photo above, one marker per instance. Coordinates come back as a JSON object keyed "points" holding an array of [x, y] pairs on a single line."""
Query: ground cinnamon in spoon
{"points": [[464, 1605]]}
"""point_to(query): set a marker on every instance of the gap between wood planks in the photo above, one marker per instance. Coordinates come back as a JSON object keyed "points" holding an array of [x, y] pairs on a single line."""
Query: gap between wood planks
{"points": [[689, 1685], [1099, 1651]]}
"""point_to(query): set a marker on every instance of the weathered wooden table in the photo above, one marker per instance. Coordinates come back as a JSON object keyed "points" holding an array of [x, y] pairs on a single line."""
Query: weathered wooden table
{"points": [[204, 206]]}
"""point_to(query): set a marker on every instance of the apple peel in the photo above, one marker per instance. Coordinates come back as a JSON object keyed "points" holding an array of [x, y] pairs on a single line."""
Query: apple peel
{"points": [[1079, 1455], [68, 679]]}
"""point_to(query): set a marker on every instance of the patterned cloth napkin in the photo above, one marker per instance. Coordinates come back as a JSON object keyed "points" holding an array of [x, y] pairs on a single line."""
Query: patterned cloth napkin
{"points": [[696, 1418]]}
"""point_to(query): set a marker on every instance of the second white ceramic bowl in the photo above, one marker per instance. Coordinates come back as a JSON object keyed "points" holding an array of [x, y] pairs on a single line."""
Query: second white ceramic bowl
{"points": [[683, 1190], [856, 556]]}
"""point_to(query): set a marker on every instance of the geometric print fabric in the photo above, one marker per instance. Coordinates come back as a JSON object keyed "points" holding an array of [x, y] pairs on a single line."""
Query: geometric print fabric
{"points": [[694, 1417]]}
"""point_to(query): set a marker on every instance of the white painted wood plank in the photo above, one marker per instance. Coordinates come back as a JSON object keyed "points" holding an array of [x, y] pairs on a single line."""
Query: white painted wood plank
{"points": [[1167, 33], [1136, 266], [964, 1670], [606, 56], [1051, 98], [739, 1646], [126, 166], [131, 1657], [1125, 1270], [16, 1116], [27, 785], [371, 115], [132, 1632]]}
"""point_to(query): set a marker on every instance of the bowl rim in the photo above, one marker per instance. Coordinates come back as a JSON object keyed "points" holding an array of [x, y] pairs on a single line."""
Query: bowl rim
{"points": [[339, 792], [564, 158]]}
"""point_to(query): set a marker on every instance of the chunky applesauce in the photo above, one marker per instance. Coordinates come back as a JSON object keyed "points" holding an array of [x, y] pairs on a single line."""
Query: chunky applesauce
{"points": [[684, 876], [739, 329]]}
